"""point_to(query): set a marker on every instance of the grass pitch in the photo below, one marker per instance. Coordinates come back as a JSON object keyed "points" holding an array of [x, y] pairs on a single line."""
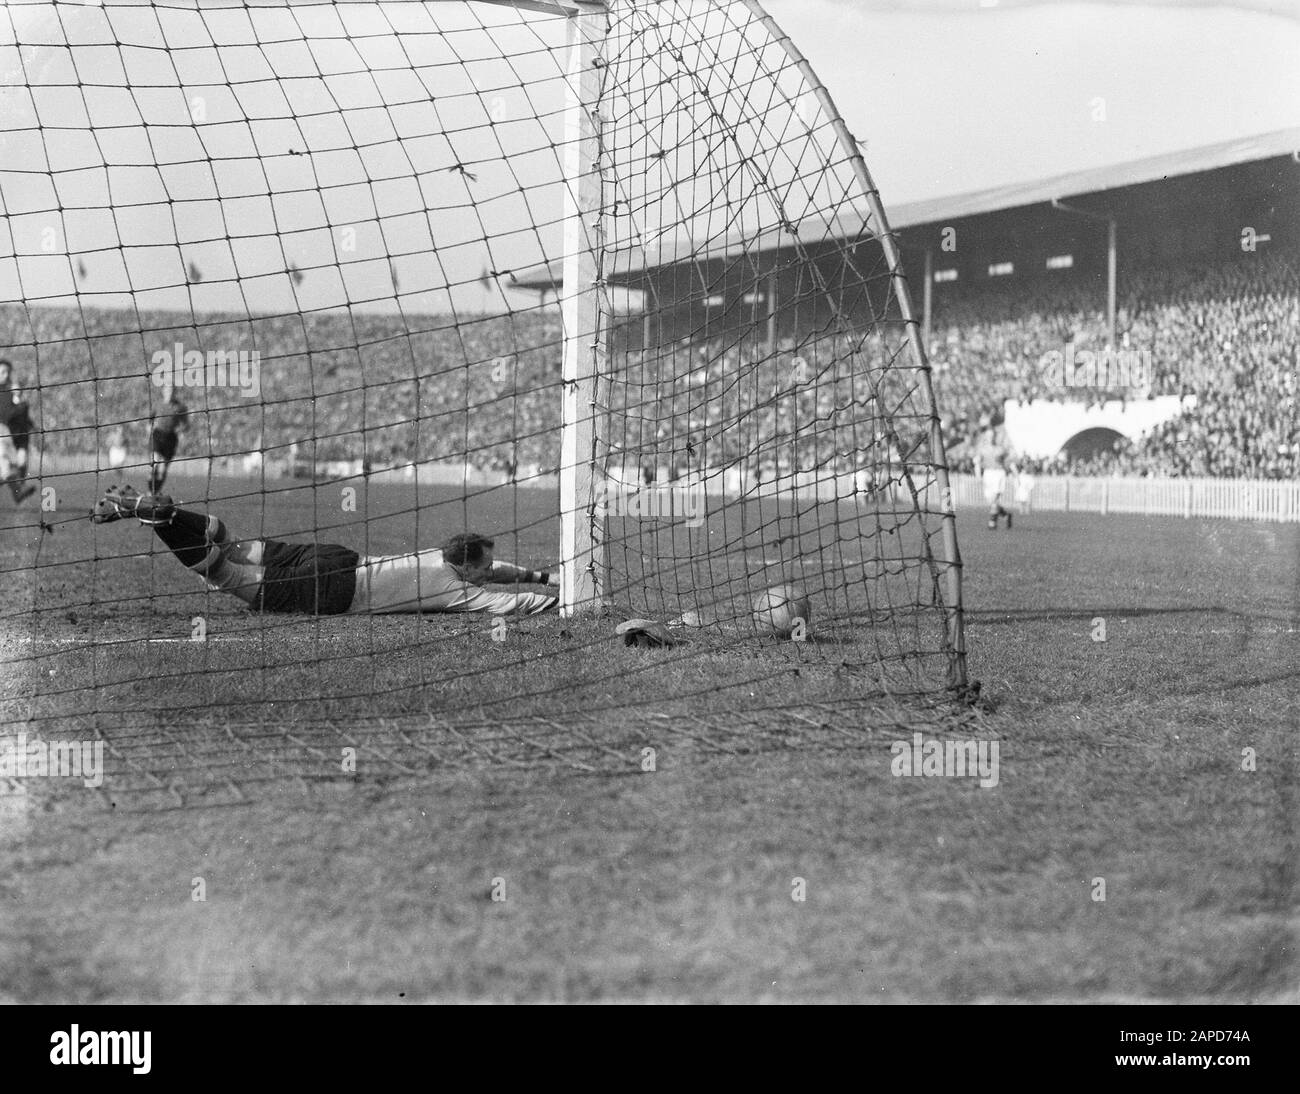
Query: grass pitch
{"points": [[510, 855]]}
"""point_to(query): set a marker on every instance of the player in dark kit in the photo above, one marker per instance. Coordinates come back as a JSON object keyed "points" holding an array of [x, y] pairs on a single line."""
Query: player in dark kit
{"points": [[16, 417], [163, 437], [272, 575]]}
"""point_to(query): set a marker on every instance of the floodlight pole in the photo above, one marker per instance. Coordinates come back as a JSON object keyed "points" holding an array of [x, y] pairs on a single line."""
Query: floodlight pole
{"points": [[1112, 258], [582, 532], [927, 298]]}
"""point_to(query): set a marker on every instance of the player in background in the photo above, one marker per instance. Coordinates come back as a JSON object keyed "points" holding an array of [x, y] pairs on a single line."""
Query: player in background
{"points": [[992, 457], [164, 438], [6, 457], [1024, 490], [272, 575], [116, 444], [16, 416]]}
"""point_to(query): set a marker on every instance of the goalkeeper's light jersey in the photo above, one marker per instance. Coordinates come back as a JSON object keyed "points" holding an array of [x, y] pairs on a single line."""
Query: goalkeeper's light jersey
{"points": [[424, 582]]}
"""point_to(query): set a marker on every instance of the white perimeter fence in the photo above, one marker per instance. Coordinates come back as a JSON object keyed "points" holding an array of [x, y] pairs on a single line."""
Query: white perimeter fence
{"points": [[1229, 499]]}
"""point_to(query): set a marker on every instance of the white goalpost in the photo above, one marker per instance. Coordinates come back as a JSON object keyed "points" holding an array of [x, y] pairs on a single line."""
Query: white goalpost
{"points": [[585, 349]]}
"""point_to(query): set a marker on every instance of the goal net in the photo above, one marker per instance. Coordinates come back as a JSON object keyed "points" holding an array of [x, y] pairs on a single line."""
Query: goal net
{"points": [[606, 282]]}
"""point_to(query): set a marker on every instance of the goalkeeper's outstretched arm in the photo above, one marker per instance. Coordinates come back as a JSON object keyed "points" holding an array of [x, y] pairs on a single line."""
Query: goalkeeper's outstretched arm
{"points": [[506, 572]]}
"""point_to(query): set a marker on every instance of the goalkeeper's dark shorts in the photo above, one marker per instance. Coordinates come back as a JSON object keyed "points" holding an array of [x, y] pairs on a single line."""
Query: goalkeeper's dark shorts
{"points": [[312, 578]]}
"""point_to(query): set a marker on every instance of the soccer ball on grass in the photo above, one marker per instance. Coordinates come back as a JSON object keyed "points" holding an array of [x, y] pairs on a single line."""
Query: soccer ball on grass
{"points": [[783, 610]]}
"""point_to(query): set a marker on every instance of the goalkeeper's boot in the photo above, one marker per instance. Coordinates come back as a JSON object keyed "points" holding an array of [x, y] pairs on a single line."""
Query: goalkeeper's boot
{"points": [[124, 501]]}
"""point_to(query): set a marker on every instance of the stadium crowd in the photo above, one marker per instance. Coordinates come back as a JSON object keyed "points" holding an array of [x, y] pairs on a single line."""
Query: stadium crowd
{"points": [[388, 390], [1227, 333]]}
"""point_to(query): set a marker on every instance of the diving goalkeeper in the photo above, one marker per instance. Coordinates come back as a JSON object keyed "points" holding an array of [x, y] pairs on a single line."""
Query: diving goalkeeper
{"points": [[271, 575]]}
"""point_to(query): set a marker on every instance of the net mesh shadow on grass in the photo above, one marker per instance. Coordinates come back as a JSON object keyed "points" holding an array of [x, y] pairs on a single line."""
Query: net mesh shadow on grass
{"points": [[247, 714], [151, 764]]}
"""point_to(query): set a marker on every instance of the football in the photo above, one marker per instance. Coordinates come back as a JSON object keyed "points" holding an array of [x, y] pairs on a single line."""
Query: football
{"points": [[779, 609]]}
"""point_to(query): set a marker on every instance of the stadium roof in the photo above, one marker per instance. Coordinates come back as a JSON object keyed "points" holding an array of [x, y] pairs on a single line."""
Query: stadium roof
{"points": [[1281, 142], [1210, 157]]}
